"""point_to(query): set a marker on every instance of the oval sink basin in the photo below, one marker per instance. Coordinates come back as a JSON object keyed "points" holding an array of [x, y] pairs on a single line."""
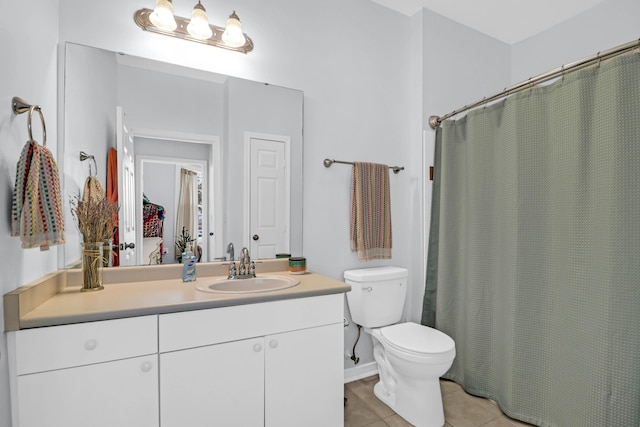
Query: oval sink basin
{"points": [[246, 286]]}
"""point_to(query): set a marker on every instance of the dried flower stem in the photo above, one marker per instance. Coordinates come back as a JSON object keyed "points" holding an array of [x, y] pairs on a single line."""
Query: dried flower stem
{"points": [[95, 218]]}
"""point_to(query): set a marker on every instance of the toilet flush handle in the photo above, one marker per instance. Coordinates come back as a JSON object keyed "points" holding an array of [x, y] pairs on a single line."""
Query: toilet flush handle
{"points": [[368, 289]]}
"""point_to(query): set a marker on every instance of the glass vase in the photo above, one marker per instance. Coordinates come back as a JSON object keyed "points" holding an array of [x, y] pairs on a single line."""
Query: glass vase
{"points": [[106, 253], [92, 264]]}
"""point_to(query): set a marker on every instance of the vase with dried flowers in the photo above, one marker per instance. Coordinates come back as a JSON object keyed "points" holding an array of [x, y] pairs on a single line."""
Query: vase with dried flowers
{"points": [[95, 220]]}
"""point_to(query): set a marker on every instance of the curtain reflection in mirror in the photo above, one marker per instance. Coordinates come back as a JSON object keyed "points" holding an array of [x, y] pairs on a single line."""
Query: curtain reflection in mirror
{"points": [[186, 215]]}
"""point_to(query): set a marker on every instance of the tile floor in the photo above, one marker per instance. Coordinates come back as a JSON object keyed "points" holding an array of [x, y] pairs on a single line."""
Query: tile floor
{"points": [[363, 409]]}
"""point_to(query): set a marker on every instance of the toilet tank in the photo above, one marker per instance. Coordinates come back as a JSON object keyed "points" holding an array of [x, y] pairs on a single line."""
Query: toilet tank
{"points": [[377, 295]]}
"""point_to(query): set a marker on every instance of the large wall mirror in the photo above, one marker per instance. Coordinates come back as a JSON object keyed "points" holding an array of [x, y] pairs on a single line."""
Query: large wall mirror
{"points": [[240, 142]]}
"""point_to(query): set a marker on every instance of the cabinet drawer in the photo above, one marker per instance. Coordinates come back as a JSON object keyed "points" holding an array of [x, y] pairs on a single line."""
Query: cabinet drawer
{"points": [[217, 325], [56, 347]]}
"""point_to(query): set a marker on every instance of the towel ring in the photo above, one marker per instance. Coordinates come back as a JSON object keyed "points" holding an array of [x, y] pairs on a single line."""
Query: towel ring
{"points": [[19, 106], [44, 128], [84, 156]]}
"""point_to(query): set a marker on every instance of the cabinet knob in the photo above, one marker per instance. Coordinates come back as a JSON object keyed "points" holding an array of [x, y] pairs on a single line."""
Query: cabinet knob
{"points": [[257, 347], [90, 344], [273, 343], [146, 366]]}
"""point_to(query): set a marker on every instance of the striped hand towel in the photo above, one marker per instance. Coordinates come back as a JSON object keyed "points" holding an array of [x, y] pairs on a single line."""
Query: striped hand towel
{"points": [[37, 203], [92, 190], [370, 211], [20, 188]]}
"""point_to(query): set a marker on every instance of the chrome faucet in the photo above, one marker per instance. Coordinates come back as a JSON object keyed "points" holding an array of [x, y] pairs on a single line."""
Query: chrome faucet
{"points": [[244, 262], [230, 251], [246, 268], [244, 254]]}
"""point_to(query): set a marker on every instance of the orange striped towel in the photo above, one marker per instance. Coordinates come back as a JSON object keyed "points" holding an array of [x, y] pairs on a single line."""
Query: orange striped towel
{"points": [[370, 211]]}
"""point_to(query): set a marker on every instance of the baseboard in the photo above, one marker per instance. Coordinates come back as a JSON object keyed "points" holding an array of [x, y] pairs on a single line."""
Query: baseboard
{"points": [[362, 371]]}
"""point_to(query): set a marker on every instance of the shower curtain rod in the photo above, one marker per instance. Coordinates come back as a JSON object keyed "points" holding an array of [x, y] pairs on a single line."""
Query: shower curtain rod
{"points": [[434, 121]]}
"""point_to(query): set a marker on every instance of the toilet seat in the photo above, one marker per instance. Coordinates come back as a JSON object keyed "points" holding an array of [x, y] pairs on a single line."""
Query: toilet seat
{"points": [[417, 340]]}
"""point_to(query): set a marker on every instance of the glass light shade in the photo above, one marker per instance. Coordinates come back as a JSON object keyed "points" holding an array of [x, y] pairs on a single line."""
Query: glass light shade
{"points": [[233, 35], [162, 15], [199, 25]]}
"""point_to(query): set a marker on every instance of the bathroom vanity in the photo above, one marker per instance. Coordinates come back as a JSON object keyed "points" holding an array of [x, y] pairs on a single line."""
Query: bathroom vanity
{"points": [[161, 353]]}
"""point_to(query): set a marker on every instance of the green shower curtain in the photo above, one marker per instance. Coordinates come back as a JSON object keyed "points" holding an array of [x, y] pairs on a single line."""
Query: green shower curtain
{"points": [[534, 260]]}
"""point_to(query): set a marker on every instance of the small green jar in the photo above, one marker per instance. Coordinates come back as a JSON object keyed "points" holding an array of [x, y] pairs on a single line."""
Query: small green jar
{"points": [[297, 265]]}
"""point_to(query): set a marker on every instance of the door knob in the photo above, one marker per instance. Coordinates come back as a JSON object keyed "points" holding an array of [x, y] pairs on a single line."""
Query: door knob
{"points": [[126, 245], [256, 237]]}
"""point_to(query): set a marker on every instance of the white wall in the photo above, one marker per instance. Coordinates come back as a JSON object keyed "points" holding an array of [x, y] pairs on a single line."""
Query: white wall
{"points": [[28, 48], [607, 25], [461, 65], [94, 134], [161, 101]]}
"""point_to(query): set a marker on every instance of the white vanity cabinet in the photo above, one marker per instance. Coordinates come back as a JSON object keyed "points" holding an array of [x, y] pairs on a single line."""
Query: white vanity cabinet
{"points": [[98, 373], [273, 364]]}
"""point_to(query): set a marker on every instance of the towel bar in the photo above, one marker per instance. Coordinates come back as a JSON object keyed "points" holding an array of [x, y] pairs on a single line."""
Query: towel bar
{"points": [[328, 162]]}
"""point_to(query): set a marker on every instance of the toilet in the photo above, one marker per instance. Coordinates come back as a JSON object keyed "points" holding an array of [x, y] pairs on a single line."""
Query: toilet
{"points": [[410, 357]]}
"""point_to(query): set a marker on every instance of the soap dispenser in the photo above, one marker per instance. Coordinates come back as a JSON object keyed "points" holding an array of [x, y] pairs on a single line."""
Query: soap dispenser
{"points": [[188, 267]]}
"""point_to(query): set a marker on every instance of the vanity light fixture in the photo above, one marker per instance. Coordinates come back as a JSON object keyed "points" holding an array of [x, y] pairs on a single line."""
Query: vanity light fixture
{"points": [[161, 20], [162, 15], [233, 35], [199, 25]]}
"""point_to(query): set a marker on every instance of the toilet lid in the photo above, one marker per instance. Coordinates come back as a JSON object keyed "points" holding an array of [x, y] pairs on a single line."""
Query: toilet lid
{"points": [[417, 338]]}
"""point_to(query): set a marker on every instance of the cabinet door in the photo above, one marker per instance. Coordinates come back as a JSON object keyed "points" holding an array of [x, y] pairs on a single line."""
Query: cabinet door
{"points": [[122, 393], [217, 385], [304, 378]]}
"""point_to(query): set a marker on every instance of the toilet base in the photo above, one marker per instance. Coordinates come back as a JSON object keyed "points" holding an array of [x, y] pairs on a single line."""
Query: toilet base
{"points": [[411, 390], [421, 405]]}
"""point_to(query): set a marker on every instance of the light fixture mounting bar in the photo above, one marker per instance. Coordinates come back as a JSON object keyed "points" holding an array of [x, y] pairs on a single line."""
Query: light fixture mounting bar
{"points": [[141, 17]]}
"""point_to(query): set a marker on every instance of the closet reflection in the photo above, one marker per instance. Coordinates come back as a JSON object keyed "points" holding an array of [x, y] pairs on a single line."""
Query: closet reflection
{"points": [[177, 118]]}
